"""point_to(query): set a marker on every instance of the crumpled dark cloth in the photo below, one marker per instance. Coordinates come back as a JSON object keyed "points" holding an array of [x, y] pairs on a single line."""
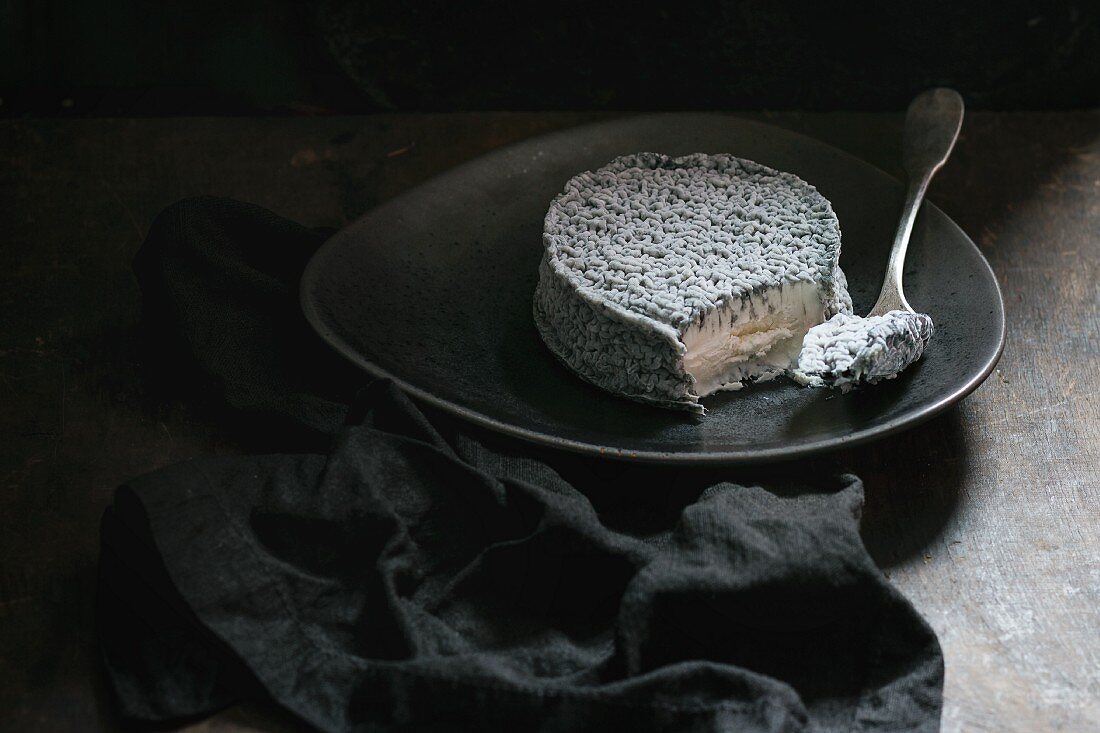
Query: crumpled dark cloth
{"points": [[402, 571]]}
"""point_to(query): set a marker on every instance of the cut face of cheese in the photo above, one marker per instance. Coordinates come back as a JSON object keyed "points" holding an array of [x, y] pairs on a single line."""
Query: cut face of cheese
{"points": [[847, 350], [752, 339], [668, 279]]}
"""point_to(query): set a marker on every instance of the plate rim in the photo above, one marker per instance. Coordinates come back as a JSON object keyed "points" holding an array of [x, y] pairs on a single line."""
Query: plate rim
{"points": [[712, 458]]}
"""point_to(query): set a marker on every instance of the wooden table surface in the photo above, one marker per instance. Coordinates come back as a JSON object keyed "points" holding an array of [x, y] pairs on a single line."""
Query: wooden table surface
{"points": [[987, 518]]}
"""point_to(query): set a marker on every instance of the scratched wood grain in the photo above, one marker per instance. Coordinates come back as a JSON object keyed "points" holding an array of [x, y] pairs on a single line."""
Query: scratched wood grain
{"points": [[987, 518]]}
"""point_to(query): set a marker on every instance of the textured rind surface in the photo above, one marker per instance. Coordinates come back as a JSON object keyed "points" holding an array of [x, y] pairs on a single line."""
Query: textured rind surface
{"points": [[610, 348], [638, 251], [847, 350]]}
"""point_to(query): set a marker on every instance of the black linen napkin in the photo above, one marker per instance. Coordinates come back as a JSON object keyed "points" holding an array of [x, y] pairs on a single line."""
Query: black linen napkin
{"points": [[401, 571]]}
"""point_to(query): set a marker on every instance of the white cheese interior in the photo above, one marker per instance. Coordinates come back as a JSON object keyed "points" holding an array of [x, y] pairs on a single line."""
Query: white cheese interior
{"points": [[756, 338]]}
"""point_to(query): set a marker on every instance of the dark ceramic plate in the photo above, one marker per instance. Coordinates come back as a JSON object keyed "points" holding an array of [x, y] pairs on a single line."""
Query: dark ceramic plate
{"points": [[433, 289]]}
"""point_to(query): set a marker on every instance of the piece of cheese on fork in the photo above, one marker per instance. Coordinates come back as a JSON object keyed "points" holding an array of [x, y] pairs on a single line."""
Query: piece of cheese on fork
{"points": [[668, 279]]}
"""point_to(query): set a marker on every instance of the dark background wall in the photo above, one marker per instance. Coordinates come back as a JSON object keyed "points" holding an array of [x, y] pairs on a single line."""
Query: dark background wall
{"points": [[142, 57]]}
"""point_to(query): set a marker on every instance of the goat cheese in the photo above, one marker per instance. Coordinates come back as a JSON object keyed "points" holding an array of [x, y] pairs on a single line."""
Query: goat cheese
{"points": [[846, 350], [667, 279]]}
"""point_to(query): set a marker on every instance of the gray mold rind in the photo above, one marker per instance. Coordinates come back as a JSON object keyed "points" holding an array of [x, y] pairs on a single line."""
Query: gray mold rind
{"points": [[643, 248], [847, 350]]}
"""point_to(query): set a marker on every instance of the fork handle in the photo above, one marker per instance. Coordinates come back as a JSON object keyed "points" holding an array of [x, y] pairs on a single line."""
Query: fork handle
{"points": [[932, 125]]}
